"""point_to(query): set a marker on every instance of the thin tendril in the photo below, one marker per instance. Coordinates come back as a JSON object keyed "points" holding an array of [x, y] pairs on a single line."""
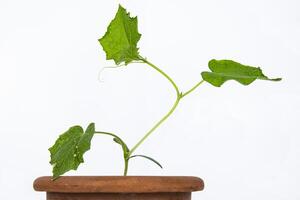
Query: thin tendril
{"points": [[112, 67], [108, 67]]}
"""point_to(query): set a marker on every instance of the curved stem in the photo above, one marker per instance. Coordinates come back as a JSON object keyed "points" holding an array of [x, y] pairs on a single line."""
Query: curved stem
{"points": [[111, 134], [124, 148], [107, 133], [163, 73], [192, 89], [178, 96]]}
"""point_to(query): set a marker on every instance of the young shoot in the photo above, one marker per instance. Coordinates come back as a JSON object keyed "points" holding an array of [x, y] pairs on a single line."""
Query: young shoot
{"points": [[120, 45]]}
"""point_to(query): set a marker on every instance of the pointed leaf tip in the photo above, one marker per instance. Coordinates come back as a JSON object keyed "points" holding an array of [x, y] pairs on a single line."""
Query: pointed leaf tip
{"points": [[121, 38]]}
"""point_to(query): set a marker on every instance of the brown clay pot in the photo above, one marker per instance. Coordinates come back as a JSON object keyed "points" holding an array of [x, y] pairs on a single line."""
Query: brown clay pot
{"points": [[119, 187]]}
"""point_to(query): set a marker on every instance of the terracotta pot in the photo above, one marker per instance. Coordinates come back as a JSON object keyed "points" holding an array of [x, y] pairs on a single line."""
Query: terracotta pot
{"points": [[119, 187]]}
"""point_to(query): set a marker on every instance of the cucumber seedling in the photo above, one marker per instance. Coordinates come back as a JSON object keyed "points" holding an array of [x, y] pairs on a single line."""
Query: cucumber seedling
{"points": [[120, 44]]}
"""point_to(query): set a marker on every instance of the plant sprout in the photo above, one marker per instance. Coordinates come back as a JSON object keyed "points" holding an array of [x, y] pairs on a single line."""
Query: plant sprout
{"points": [[120, 44]]}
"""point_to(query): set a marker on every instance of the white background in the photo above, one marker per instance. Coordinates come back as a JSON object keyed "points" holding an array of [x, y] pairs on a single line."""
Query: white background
{"points": [[243, 141]]}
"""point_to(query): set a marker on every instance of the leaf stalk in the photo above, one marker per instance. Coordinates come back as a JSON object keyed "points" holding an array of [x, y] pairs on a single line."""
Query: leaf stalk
{"points": [[192, 89]]}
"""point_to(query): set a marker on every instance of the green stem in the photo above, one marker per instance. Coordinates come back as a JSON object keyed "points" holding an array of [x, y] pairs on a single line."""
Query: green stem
{"points": [[178, 96], [155, 126], [107, 133], [163, 73], [124, 148], [192, 89], [111, 134], [126, 166]]}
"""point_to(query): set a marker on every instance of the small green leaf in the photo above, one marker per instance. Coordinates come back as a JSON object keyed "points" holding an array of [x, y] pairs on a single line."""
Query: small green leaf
{"points": [[67, 152], [147, 157], [121, 38], [120, 142], [224, 70]]}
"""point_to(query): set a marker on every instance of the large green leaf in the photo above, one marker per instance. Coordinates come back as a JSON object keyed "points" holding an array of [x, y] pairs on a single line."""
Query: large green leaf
{"points": [[121, 38], [224, 70], [67, 152]]}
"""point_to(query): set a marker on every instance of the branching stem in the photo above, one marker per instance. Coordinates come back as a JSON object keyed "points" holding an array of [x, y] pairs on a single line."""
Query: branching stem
{"points": [[192, 89], [165, 116], [179, 96], [124, 148]]}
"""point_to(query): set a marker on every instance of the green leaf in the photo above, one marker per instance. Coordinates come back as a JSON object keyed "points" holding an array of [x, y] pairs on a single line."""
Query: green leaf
{"points": [[224, 70], [67, 152], [121, 38], [123, 145], [147, 157]]}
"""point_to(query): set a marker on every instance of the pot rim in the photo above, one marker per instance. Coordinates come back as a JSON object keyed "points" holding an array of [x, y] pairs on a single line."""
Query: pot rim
{"points": [[119, 184]]}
